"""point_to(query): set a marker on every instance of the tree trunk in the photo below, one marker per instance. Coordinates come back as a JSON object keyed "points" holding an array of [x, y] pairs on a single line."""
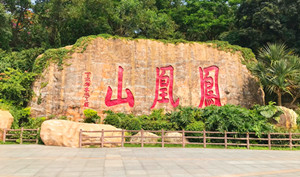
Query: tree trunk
{"points": [[294, 99], [279, 102]]}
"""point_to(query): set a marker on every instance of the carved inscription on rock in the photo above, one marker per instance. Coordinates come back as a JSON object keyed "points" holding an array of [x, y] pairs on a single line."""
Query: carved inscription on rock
{"points": [[136, 76]]}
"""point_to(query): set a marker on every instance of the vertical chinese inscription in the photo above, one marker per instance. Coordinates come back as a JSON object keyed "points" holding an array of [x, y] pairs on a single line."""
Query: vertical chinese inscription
{"points": [[87, 83], [164, 86], [130, 99], [209, 86]]}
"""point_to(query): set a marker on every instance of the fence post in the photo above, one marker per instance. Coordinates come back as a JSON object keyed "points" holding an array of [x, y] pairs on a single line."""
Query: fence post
{"points": [[122, 143], [162, 138], [102, 138], [80, 138], [21, 136], [4, 135], [183, 138], [37, 136], [225, 139], [204, 139], [291, 140], [142, 138], [248, 144], [269, 140]]}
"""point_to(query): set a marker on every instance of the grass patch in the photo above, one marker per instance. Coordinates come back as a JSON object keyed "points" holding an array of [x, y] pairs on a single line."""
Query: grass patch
{"points": [[13, 142], [211, 146]]}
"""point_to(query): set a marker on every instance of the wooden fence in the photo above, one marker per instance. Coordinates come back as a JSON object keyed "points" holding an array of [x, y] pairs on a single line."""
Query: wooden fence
{"points": [[24, 135], [194, 137]]}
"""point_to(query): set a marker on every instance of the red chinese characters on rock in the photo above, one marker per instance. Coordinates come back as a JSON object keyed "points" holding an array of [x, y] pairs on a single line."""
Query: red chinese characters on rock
{"points": [[209, 86], [164, 86], [130, 99], [87, 83]]}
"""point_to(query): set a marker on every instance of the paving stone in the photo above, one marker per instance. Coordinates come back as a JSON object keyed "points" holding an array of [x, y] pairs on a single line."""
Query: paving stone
{"points": [[43, 161], [136, 172]]}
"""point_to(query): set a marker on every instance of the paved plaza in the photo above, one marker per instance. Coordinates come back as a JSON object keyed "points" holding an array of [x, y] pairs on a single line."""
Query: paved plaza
{"points": [[38, 160]]}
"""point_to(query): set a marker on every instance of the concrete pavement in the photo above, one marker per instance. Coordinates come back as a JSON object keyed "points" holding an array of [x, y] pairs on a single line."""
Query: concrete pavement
{"points": [[43, 161]]}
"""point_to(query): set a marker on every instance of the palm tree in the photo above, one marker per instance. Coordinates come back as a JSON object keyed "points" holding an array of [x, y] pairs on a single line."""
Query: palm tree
{"points": [[295, 89], [277, 69]]}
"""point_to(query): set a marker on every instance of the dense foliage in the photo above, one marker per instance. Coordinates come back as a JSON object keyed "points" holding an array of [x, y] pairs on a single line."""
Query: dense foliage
{"points": [[232, 118], [57, 23], [51, 24], [29, 29]]}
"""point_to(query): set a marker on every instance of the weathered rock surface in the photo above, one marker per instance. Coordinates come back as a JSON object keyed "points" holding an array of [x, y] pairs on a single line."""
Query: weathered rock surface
{"points": [[151, 138], [288, 119], [152, 74], [66, 133], [172, 137], [6, 120]]}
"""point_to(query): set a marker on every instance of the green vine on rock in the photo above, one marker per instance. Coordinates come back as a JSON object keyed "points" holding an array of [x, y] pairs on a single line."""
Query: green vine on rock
{"points": [[248, 57], [59, 55]]}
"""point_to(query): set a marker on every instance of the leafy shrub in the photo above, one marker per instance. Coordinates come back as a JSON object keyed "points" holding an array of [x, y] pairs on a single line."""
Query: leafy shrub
{"points": [[129, 122], [34, 123], [184, 116], [15, 86], [213, 118], [113, 120], [195, 126], [125, 121], [134, 124], [91, 116], [158, 125], [157, 114], [269, 111], [235, 118], [21, 116]]}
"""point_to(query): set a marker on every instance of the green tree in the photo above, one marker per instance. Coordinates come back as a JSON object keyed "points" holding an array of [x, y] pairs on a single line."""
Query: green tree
{"points": [[259, 22], [140, 18], [20, 22], [277, 69], [204, 20], [5, 29]]}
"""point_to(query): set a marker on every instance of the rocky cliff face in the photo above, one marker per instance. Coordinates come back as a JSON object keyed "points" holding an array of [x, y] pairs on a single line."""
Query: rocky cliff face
{"points": [[135, 76]]}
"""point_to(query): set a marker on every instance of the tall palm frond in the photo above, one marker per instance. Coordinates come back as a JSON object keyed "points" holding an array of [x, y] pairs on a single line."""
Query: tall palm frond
{"points": [[273, 52], [278, 70]]}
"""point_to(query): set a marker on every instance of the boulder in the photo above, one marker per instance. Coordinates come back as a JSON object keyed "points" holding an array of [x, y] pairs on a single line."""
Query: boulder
{"points": [[171, 137], [151, 138], [288, 119], [66, 133], [122, 75], [6, 120]]}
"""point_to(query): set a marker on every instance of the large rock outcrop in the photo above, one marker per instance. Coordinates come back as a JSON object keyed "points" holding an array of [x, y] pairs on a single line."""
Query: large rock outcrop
{"points": [[6, 120], [66, 133], [135, 76]]}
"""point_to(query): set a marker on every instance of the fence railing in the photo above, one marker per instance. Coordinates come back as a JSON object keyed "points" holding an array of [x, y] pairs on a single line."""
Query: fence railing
{"points": [[194, 137], [23, 135]]}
